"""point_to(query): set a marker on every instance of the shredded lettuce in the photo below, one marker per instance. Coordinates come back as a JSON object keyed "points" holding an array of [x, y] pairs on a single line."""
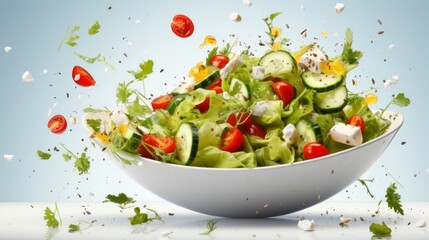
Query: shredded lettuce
{"points": [[214, 157]]}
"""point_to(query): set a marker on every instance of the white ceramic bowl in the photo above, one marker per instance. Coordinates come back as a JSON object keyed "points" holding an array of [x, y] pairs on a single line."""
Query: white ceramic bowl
{"points": [[259, 192]]}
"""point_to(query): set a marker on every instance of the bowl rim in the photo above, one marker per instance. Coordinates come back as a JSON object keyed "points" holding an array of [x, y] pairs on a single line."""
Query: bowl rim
{"points": [[397, 122]]}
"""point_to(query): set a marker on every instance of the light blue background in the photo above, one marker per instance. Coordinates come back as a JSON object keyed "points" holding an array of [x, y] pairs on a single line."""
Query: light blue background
{"points": [[35, 28]]}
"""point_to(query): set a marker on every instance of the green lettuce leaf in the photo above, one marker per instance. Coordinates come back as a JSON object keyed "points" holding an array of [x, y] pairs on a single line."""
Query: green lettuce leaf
{"points": [[216, 158], [272, 117], [299, 107]]}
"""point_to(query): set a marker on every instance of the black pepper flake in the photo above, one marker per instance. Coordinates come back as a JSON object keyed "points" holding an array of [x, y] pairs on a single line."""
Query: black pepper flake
{"points": [[403, 143], [170, 214], [380, 32], [373, 81], [109, 8], [162, 70], [379, 22], [125, 55]]}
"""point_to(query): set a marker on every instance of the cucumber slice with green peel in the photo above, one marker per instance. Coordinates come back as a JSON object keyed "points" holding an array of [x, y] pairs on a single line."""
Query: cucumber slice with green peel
{"points": [[239, 89], [308, 131], [213, 75], [321, 82], [332, 101], [278, 63], [187, 143], [175, 101]]}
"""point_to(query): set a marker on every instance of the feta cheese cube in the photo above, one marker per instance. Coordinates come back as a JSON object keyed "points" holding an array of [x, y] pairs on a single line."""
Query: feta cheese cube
{"points": [[7, 49], [260, 108], [421, 224], [26, 77], [307, 225], [8, 157], [312, 59], [290, 133], [235, 17], [247, 2], [346, 134], [258, 72], [224, 72], [339, 7]]}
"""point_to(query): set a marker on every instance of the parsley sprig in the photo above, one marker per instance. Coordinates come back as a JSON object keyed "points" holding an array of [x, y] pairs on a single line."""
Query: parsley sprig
{"points": [[51, 217], [94, 29], [211, 226], [81, 163], [141, 217], [273, 32], [77, 227], [121, 199], [98, 58], [71, 38]]}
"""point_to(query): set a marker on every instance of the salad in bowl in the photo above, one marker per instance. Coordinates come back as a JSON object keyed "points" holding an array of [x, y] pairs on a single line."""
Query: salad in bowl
{"points": [[243, 121]]}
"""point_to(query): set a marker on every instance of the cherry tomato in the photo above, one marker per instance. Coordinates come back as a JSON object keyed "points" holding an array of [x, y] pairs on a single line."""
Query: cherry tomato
{"points": [[255, 129], [204, 106], [232, 140], [357, 120], [219, 61], [244, 119], [82, 77], [216, 86], [161, 102], [232, 119], [57, 124], [151, 144], [285, 91], [314, 150], [182, 26]]}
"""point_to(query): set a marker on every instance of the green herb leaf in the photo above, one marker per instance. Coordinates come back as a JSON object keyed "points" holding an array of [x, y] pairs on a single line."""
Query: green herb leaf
{"points": [[92, 60], [82, 163], [95, 124], [401, 101], [51, 220], [349, 55], [274, 15], [94, 29], [122, 200], [67, 157], [74, 228], [123, 92], [71, 38], [393, 199], [77, 227], [43, 155], [137, 109], [146, 68], [211, 54], [380, 229], [363, 182], [211, 226], [138, 218]]}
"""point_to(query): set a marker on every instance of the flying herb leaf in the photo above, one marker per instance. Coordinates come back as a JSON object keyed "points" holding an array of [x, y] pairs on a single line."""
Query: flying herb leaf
{"points": [[138, 218], [401, 101], [349, 55], [363, 182], [71, 38], [393, 199], [81, 163], [50, 217], [74, 228], [77, 227], [94, 124], [94, 29], [43, 155], [146, 68], [123, 92], [137, 109], [122, 200], [380, 229], [211, 226], [67, 157], [92, 60]]}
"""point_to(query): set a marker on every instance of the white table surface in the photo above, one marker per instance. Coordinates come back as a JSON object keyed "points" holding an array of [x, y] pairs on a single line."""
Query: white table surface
{"points": [[25, 221]]}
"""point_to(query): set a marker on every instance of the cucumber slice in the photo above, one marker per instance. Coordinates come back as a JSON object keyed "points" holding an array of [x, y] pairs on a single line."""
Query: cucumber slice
{"points": [[133, 140], [307, 132], [238, 89], [321, 82], [214, 74], [278, 63], [174, 102], [331, 101], [187, 143]]}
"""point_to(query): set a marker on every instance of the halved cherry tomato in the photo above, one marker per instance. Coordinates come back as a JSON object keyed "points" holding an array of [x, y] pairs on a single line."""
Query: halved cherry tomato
{"points": [[204, 106], [244, 119], [161, 102], [151, 144], [357, 120], [255, 129], [219, 61], [82, 77], [216, 86], [57, 124], [182, 26], [232, 119], [232, 140], [314, 150], [285, 91]]}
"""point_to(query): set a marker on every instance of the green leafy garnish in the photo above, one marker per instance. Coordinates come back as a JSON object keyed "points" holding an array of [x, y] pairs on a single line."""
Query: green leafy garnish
{"points": [[92, 60], [43, 155], [77, 227], [140, 218], [399, 100], [380, 229], [146, 68], [51, 217], [349, 55], [81, 163], [211, 54], [273, 35], [94, 124], [211, 226], [71, 38], [122, 200], [394, 199], [94, 29], [363, 182]]}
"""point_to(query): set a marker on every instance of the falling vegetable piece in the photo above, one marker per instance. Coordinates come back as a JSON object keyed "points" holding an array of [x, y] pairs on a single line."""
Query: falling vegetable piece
{"points": [[199, 72], [208, 40], [336, 67], [82, 77], [370, 99], [182, 26], [57, 124]]}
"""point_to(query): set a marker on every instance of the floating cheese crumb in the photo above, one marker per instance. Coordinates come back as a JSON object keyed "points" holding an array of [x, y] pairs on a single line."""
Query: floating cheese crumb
{"points": [[26, 77], [391, 46], [346, 134], [7, 49], [421, 224], [339, 7], [260, 108], [302, 8], [395, 78], [137, 21], [247, 2], [140, 163], [73, 119], [345, 220], [235, 17], [54, 105], [258, 72], [290, 133], [129, 43], [8, 157], [307, 225], [388, 83]]}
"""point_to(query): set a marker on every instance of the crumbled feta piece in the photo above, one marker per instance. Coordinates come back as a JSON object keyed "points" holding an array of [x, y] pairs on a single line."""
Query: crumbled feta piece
{"points": [[8, 157], [307, 225], [346, 134], [258, 72], [235, 17], [290, 133], [421, 224], [247, 2], [73, 119], [312, 59], [391, 46], [7, 49], [119, 116], [45, 71], [224, 72], [339, 7], [49, 112], [302, 8], [26, 77], [144, 130], [260, 108], [54, 104], [395, 78], [137, 21], [345, 220], [388, 83]]}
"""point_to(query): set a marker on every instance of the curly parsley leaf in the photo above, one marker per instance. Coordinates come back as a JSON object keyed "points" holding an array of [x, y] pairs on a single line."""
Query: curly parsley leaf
{"points": [[92, 60], [146, 68], [94, 124], [43, 155], [138, 218], [123, 92], [74, 228], [77, 227], [211, 226], [401, 101], [81, 163], [71, 38], [380, 229], [50, 217], [363, 182], [122, 200], [349, 55], [393, 199], [94, 29]]}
